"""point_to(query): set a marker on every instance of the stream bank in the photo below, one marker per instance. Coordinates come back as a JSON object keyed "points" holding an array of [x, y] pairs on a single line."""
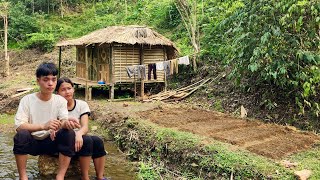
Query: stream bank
{"points": [[165, 153]]}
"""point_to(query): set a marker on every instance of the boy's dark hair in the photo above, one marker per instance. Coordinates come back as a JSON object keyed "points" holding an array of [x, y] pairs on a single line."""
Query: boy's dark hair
{"points": [[62, 80], [46, 69]]}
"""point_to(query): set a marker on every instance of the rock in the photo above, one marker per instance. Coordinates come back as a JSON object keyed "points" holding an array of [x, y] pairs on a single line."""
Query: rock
{"points": [[94, 128], [48, 165], [303, 174], [291, 128], [243, 112], [288, 164]]}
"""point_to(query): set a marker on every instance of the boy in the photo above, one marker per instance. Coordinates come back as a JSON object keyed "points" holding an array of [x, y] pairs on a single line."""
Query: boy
{"points": [[38, 115]]}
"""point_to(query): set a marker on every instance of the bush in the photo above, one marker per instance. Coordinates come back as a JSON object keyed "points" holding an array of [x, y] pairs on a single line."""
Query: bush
{"points": [[42, 41], [273, 43]]}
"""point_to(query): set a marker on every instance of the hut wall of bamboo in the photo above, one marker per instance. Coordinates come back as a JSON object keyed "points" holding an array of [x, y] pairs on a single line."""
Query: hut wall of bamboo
{"points": [[123, 56], [102, 58], [154, 55]]}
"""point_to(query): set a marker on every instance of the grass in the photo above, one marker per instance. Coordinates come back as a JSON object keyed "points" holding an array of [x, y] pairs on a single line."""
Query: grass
{"points": [[6, 119], [188, 154], [309, 160]]}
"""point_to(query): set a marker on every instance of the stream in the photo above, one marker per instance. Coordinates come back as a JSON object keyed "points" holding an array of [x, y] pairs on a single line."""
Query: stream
{"points": [[116, 168]]}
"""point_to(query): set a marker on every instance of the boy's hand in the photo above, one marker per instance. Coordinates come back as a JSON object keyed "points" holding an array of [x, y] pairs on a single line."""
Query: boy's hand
{"points": [[52, 124]]}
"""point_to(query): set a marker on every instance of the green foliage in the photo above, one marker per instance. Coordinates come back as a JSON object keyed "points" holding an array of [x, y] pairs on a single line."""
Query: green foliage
{"points": [[147, 172], [87, 16], [20, 23], [6, 119], [42, 41], [274, 43], [309, 160]]}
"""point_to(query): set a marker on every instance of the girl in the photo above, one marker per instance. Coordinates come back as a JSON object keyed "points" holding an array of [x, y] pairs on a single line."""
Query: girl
{"points": [[79, 110]]}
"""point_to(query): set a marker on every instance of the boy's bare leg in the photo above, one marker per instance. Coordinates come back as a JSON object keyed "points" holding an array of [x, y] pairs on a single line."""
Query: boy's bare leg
{"points": [[99, 166], [21, 160], [64, 162], [85, 166]]}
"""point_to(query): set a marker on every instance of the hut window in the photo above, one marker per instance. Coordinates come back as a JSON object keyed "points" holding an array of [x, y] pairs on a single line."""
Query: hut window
{"points": [[104, 56], [81, 56]]}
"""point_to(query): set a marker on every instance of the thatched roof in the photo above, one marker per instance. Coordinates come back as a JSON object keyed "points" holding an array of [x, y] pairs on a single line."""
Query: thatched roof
{"points": [[121, 34]]}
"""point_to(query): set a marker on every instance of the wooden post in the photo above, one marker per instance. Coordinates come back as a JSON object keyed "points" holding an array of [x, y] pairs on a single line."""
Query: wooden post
{"points": [[165, 80], [111, 92], [135, 87], [111, 74], [90, 94], [142, 80], [60, 49], [87, 73]]}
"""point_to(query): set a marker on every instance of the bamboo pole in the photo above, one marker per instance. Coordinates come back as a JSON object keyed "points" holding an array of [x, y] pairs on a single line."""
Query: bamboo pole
{"points": [[142, 80], [111, 74], [165, 81], [135, 87], [87, 73]]}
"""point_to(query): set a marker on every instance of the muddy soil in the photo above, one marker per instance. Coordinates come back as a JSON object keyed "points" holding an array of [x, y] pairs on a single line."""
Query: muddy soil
{"points": [[270, 140]]}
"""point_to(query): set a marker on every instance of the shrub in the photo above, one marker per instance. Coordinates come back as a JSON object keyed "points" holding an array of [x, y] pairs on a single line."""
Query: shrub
{"points": [[42, 41]]}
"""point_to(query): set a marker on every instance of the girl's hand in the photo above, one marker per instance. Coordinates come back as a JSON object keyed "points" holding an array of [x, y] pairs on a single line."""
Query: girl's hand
{"points": [[72, 123], [79, 142]]}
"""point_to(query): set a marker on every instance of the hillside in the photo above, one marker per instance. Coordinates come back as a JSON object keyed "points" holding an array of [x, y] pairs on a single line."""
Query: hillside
{"points": [[268, 51]]}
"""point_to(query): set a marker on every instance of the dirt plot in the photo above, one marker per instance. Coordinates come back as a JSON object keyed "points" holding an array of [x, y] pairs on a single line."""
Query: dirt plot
{"points": [[269, 140]]}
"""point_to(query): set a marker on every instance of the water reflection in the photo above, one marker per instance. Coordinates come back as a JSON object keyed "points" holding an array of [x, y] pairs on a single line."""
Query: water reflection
{"points": [[117, 168]]}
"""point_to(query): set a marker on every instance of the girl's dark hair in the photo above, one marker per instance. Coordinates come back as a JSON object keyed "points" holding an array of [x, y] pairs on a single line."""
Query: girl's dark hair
{"points": [[46, 69], [62, 80]]}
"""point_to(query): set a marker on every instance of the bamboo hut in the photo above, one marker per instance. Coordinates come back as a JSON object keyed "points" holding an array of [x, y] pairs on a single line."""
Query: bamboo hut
{"points": [[102, 55]]}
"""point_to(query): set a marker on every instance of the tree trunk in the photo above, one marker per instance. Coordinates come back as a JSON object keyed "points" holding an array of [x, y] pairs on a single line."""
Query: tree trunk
{"points": [[7, 68], [61, 8], [48, 7], [188, 13], [32, 6], [126, 5]]}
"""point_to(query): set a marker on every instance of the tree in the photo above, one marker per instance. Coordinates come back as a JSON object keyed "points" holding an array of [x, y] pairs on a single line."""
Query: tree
{"points": [[188, 12], [4, 14], [61, 8]]}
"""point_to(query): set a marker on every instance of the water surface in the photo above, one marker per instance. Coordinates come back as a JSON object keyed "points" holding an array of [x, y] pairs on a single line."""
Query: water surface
{"points": [[117, 168]]}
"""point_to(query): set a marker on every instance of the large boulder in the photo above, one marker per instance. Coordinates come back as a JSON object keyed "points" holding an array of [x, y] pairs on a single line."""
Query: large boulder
{"points": [[48, 165]]}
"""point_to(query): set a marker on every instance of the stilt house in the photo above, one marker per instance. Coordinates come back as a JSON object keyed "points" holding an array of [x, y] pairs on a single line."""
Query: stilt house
{"points": [[102, 55]]}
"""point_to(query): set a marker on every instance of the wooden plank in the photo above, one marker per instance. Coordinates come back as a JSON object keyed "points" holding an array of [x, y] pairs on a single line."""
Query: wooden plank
{"points": [[24, 89], [21, 93]]}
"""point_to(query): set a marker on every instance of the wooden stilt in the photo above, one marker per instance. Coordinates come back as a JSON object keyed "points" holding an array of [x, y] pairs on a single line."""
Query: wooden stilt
{"points": [[142, 89], [135, 87], [142, 80], [90, 94], [165, 81], [111, 92]]}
